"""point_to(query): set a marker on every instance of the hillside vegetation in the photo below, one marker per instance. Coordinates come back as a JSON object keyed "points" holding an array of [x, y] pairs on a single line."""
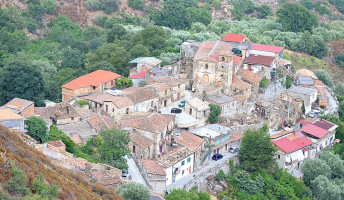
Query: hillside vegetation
{"points": [[14, 153]]}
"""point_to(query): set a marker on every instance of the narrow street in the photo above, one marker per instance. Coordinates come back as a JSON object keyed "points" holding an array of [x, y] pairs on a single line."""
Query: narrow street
{"points": [[134, 172]]}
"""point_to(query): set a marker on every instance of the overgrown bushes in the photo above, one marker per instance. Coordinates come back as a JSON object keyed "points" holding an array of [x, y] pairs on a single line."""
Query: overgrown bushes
{"points": [[108, 6], [136, 4]]}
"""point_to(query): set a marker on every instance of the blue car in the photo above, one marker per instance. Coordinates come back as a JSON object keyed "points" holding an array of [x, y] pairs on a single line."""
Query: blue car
{"points": [[182, 103], [217, 157]]}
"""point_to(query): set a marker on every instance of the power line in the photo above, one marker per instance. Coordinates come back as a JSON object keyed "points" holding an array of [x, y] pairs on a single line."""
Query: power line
{"points": [[47, 166]]}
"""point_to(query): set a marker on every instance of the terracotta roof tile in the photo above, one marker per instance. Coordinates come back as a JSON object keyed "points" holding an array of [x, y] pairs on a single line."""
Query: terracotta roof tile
{"points": [[257, 59], [305, 72], [177, 154], [61, 110], [240, 98], [169, 80], [98, 97], [76, 139], [7, 114], [235, 136], [236, 59], [120, 101], [197, 103], [57, 143], [231, 37], [140, 140], [249, 76], [324, 124], [159, 87], [140, 94], [18, 104], [95, 78], [240, 84], [152, 166], [319, 83], [189, 140], [213, 49], [291, 144]]}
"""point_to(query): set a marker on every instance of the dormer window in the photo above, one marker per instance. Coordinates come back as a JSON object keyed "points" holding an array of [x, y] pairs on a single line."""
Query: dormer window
{"points": [[223, 59], [206, 66]]}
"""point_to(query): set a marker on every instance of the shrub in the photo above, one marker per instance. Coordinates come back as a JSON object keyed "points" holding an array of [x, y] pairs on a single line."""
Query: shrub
{"points": [[17, 185], [288, 82], [83, 102], [44, 189], [93, 5], [136, 4], [340, 59], [133, 191], [108, 6], [220, 176], [49, 6], [339, 89], [124, 82], [264, 82], [216, 4], [324, 77], [215, 111], [37, 128]]}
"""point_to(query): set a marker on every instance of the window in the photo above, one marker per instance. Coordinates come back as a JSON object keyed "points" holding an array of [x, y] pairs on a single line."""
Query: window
{"points": [[279, 157], [107, 108], [152, 103], [113, 110], [94, 87], [183, 162], [223, 59], [127, 111], [161, 135], [189, 159], [206, 66], [223, 67], [221, 75], [165, 92], [72, 118], [183, 172]]}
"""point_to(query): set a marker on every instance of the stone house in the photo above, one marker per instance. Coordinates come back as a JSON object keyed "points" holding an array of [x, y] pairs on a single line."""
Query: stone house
{"points": [[284, 103], [158, 72], [138, 78], [189, 48], [155, 175], [228, 104], [61, 113], [263, 66], [177, 163], [165, 93], [97, 100], [323, 99], [251, 78], [197, 108], [144, 99], [304, 81], [241, 104], [11, 120], [293, 149], [266, 50], [213, 64], [177, 86], [240, 47], [240, 87], [94, 82], [21, 106], [154, 126], [57, 145], [308, 95], [321, 133], [305, 72], [143, 64], [192, 142], [219, 137], [140, 146], [119, 106]]}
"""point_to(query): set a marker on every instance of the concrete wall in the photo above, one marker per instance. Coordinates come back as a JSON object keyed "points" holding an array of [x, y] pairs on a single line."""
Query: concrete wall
{"points": [[20, 122], [117, 113], [183, 171], [263, 53]]}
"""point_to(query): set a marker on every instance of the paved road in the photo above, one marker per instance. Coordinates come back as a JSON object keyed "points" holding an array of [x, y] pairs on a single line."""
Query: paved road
{"points": [[134, 172]]}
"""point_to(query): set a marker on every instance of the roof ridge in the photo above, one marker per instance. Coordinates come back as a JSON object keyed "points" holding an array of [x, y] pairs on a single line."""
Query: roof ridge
{"points": [[210, 53]]}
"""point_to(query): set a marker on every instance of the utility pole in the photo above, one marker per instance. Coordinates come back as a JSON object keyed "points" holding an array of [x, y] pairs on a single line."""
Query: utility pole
{"points": [[155, 182], [180, 55], [288, 110]]}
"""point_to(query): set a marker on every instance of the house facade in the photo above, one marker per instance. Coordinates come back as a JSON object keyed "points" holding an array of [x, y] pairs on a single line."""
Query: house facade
{"points": [[213, 64], [177, 86], [228, 104], [266, 50], [143, 64], [21, 106], [165, 93], [263, 66], [144, 99], [197, 108], [140, 146], [94, 82], [118, 106], [308, 95], [240, 87], [11, 120], [251, 78], [155, 175]]}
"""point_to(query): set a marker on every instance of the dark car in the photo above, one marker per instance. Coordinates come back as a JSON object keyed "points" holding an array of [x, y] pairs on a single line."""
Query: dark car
{"points": [[217, 157], [176, 110]]}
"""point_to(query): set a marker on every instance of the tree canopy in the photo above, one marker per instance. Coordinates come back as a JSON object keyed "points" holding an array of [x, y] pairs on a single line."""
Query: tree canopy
{"points": [[133, 191], [37, 128]]}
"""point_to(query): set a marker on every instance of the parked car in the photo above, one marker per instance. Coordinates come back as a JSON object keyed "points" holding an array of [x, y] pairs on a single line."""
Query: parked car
{"points": [[176, 110], [234, 149], [312, 114], [182, 103], [125, 174], [217, 157]]}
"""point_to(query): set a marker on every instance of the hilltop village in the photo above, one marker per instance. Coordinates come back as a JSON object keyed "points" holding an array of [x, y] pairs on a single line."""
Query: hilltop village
{"points": [[186, 120]]}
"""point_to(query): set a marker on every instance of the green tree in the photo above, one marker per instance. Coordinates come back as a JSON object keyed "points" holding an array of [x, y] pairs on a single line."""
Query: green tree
{"points": [[314, 168], [124, 82], [264, 82], [37, 128], [246, 184], [216, 4], [12, 42], [307, 4], [57, 134], [133, 191], [183, 194], [256, 151], [215, 111], [114, 147], [154, 38], [138, 50], [19, 78], [136, 4], [340, 59], [326, 189], [199, 15], [43, 189], [324, 77], [335, 162], [341, 111], [116, 32], [263, 11], [242, 7], [296, 18], [17, 185], [288, 82], [339, 89], [50, 6]]}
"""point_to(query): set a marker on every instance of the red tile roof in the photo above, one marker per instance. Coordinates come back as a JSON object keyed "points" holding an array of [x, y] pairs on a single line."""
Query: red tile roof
{"points": [[95, 78], [268, 48], [324, 124], [287, 145], [319, 83], [213, 49], [152, 166], [249, 76], [262, 60], [18, 104], [231, 37], [139, 75], [189, 140], [314, 130], [236, 59], [140, 140], [240, 84], [56, 143]]}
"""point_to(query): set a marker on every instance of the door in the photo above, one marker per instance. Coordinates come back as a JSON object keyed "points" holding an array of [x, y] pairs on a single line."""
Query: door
{"points": [[127, 111], [190, 111], [249, 67], [226, 146], [218, 150], [206, 78], [165, 103], [134, 149]]}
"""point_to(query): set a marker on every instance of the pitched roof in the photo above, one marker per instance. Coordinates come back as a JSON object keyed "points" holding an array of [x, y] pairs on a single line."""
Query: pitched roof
{"points": [[18, 104], [305, 72], [100, 121], [189, 140], [140, 94], [177, 154], [152, 122], [240, 84], [152, 61], [240, 98], [314, 130], [261, 60], [61, 110], [197, 103], [220, 99], [324, 124], [139, 75], [159, 87], [305, 80], [319, 83], [302, 90], [7, 114], [120, 101], [95, 78], [249, 76], [291, 144], [98, 97], [152, 166], [213, 49], [169, 80], [236, 59], [76, 139], [268, 48], [231, 37], [140, 140], [57, 143]]}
